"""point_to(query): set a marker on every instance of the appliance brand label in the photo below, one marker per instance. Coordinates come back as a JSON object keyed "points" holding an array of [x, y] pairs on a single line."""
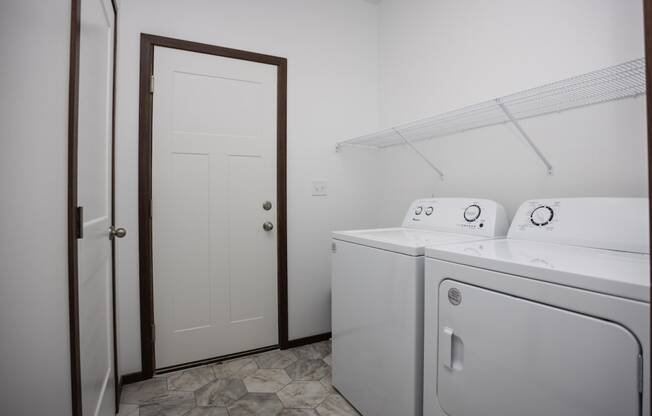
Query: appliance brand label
{"points": [[454, 296]]}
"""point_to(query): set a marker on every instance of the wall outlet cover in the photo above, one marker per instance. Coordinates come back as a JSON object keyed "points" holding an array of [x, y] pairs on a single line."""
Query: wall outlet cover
{"points": [[319, 188]]}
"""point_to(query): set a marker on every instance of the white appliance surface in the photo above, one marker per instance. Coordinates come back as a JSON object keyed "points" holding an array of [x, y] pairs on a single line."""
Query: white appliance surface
{"points": [[407, 241], [479, 217], [553, 319], [597, 244], [502, 355], [609, 223], [377, 335], [429, 222], [377, 300], [605, 271]]}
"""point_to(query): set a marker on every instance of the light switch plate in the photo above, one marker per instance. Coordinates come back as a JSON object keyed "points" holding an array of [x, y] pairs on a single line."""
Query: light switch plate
{"points": [[319, 188]]}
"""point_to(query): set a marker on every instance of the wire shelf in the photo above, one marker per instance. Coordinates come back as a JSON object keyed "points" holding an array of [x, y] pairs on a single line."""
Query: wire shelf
{"points": [[613, 83]]}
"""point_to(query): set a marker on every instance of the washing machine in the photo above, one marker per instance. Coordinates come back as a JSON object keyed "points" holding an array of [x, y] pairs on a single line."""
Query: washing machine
{"points": [[377, 300], [552, 320]]}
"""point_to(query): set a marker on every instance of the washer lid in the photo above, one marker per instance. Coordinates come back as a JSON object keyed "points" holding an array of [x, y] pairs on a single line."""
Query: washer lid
{"points": [[401, 240], [610, 272]]}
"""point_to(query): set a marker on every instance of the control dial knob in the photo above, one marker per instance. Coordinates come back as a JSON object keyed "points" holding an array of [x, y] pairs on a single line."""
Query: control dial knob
{"points": [[542, 215], [472, 212], [418, 210]]}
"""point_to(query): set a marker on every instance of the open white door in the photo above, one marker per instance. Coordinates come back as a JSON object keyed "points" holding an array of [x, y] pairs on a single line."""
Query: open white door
{"points": [[214, 166], [94, 178]]}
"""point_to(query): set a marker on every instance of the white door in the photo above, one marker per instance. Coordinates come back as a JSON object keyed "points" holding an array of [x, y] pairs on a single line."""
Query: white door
{"points": [[213, 169], [504, 356], [94, 195]]}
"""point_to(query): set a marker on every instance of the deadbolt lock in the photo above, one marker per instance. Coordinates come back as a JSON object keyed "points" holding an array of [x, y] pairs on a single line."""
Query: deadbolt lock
{"points": [[267, 205]]}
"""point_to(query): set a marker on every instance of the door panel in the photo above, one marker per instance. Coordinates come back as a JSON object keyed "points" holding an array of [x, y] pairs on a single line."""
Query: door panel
{"points": [[213, 167], [190, 183], [246, 218], [94, 195], [222, 117], [504, 356]]}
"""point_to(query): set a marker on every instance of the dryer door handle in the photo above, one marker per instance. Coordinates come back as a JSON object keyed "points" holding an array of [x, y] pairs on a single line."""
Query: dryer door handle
{"points": [[452, 350], [446, 345]]}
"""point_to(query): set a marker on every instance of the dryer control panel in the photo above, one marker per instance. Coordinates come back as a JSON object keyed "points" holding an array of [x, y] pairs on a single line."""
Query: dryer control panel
{"points": [[481, 217], [607, 223]]}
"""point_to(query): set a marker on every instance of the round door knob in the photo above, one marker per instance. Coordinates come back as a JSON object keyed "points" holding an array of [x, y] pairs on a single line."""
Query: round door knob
{"points": [[268, 226], [117, 232]]}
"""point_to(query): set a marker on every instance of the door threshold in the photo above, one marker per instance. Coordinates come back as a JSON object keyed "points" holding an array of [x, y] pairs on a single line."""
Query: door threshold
{"points": [[213, 360]]}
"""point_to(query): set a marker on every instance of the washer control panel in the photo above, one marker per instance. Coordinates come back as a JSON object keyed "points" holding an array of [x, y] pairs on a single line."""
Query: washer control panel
{"points": [[460, 215], [537, 214], [608, 223], [472, 213], [542, 215]]}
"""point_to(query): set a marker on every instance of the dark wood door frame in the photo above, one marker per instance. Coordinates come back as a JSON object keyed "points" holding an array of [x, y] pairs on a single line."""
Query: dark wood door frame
{"points": [[647, 22], [74, 222], [147, 45], [73, 267]]}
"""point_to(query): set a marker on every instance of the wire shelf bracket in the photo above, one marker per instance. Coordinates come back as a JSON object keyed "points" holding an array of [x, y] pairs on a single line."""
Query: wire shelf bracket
{"points": [[420, 153], [527, 138], [617, 82], [339, 146]]}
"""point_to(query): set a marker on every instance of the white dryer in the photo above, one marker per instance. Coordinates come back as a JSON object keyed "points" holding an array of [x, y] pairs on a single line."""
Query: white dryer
{"points": [[377, 300], [552, 320]]}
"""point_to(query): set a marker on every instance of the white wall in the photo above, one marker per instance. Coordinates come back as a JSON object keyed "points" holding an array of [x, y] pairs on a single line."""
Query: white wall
{"points": [[441, 55], [331, 46], [34, 345], [354, 66]]}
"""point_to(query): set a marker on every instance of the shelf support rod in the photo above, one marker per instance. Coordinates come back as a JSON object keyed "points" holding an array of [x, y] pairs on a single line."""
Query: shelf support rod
{"points": [[420, 153], [525, 136], [339, 146]]}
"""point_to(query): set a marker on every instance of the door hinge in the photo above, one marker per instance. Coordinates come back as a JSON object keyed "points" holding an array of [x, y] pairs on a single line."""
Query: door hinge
{"points": [[151, 84], [333, 247], [153, 333], [641, 369], [79, 223]]}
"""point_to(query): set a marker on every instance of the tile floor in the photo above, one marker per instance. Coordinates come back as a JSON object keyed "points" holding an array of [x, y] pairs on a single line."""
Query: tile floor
{"points": [[295, 382]]}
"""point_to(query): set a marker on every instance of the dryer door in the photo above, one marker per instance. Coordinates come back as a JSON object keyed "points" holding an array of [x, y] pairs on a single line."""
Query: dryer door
{"points": [[504, 356]]}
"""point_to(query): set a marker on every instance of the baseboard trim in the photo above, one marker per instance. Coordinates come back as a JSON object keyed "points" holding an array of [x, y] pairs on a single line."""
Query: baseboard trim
{"points": [[213, 360], [309, 340], [132, 378]]}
